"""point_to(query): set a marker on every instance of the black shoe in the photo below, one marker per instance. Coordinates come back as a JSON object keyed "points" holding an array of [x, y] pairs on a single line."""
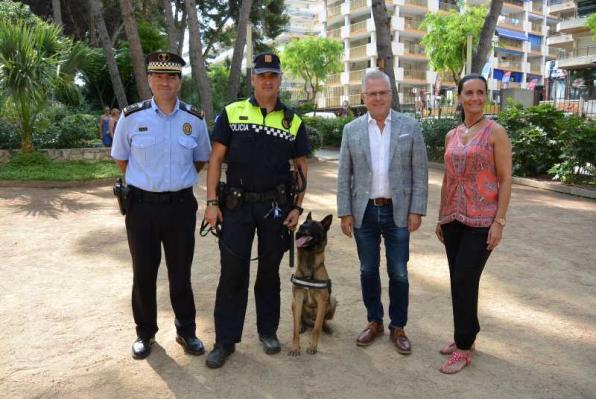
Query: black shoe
{"points": [[141, 348], [217, 357], [270, 344], [191, 345]]}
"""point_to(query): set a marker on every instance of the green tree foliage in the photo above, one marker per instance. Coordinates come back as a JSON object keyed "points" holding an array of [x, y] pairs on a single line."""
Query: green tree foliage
{"points": [[591, 23], [312, 59], [445, 43]]}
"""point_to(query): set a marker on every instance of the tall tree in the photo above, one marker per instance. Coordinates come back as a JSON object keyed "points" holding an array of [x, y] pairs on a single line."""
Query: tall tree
{"points": [[486, 34], [135, 49], [57, 11], [95, 10], [446, 39], [235, 70], [199, 71], [312, 59], [170, 26], [384, 50]]}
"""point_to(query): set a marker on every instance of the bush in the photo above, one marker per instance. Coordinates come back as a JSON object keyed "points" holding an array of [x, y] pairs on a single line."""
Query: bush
{"points": [[545, 140], [9, 137], [434, 132], [328, 131]]}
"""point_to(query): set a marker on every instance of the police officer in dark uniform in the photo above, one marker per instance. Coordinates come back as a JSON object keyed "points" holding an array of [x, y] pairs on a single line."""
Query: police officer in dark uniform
{"points": [[257, 137], [161, 144]]}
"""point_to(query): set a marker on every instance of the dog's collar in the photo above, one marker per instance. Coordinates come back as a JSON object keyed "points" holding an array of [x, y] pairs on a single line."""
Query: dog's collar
{"points": [[310, 283]]}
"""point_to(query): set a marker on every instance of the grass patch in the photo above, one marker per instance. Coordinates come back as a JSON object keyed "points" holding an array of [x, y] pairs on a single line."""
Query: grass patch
{"points": [[36, 168]]}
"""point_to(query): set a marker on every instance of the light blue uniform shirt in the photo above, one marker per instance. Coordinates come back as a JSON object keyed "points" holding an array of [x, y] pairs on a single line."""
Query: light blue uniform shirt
{"points": [[161, 149]]}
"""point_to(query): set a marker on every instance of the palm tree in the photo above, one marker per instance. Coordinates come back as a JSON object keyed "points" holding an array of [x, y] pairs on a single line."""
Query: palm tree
{"points": [[95, 10], [57, 12], [135, 49], [199, 71], [384, 50], [235, 69], [30, 55]]}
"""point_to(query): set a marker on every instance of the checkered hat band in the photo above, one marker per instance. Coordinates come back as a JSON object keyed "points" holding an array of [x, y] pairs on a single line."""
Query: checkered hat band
{"points": [[164, 66]]}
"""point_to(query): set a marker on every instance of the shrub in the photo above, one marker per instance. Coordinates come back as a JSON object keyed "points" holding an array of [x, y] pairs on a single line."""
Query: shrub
{"points": [[434, 132], [9, 137], [578, 150], [328, 130]]}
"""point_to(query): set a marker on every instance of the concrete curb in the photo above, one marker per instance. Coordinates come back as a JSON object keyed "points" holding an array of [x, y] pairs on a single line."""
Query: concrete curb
{"points": [[57, 184]]}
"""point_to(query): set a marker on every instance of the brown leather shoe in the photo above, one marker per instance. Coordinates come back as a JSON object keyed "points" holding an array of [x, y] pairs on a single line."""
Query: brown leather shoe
{"points": [[401, 341], [368, 335]]}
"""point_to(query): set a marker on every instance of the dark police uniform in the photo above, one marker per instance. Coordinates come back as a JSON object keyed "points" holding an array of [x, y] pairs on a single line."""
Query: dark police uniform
{"points": [[161, 150], [259, 147]]}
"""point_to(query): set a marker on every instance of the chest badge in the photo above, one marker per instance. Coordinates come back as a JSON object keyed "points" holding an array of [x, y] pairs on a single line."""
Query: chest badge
{"points": [[285, 123], [187, 128]]}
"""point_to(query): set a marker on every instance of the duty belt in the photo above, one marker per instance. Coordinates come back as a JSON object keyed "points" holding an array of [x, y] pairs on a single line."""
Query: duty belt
{"points": [[262, 197]]}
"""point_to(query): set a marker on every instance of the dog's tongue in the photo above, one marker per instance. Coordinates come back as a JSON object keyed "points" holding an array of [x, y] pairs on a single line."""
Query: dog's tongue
{"points": [[302, 241]]}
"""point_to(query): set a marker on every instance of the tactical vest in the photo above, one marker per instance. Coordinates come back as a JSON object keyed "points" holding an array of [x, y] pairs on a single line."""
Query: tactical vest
{"points": [[260, 146]]}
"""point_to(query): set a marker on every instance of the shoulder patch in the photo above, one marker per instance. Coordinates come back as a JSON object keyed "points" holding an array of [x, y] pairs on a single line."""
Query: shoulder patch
{"points": [[131, 109], [191, 109]]}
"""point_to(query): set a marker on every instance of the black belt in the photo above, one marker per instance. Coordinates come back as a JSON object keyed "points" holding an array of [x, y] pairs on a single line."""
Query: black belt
{"points": [[262, 197], [163, 197], [380, 201]]}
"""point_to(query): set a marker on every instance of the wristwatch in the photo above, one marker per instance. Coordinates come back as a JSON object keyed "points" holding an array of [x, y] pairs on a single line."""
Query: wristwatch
{"points": [[298, 208], [501, 221], [213, 202]]}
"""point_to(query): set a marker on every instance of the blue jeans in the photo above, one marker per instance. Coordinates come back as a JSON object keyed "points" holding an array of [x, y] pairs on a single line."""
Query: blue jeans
{"points": [[378, 222]]}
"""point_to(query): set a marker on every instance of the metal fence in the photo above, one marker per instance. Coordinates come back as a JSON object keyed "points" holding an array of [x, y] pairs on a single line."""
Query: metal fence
{"points": [[586, 108]]}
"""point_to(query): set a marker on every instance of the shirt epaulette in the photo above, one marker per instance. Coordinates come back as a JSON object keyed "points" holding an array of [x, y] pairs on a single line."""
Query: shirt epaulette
{"points": [[131, 109], [192, 110]]}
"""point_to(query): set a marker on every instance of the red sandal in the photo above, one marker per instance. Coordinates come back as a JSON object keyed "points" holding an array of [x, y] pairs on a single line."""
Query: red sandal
{"points": [[456, 362]]}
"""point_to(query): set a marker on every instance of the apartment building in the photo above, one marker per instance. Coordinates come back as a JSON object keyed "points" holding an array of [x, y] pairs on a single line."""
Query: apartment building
{"points": [[573, 74], [518, 58]]}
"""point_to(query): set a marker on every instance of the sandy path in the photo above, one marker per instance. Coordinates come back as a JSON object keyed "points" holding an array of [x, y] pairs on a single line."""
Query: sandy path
{"points": [[65, 310]]}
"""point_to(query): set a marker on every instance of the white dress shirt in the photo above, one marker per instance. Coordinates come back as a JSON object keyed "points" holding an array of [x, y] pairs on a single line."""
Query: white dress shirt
{"points": [[379, 157]]}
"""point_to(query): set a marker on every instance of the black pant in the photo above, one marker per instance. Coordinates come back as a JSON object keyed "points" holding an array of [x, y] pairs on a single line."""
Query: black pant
{"points": [[238, 231], [151, 222], [467, 255]]}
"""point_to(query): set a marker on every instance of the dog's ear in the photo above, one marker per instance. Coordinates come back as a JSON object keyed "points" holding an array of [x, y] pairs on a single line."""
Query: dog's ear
{"points": [[326, 222], [308, 217]]}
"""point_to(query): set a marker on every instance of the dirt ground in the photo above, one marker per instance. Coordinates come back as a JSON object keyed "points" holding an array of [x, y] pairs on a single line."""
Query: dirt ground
{"points": [[67, 322]]}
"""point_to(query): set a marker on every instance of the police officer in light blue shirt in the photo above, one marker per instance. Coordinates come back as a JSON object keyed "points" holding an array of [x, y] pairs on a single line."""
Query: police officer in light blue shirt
{"points": [[161, 144]]}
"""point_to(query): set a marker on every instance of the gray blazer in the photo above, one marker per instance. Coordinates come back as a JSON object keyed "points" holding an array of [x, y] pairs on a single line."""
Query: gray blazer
{"points": [[408, 169]]}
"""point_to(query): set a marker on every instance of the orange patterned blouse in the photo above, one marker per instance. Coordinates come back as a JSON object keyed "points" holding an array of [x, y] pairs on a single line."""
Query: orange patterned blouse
{"points": [[470, 188]]}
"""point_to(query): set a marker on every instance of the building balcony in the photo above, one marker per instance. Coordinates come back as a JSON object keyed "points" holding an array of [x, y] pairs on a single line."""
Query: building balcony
{"points": [[360, 29], [579, 58], [564, 38], [334, 11], [558, 6], [537, 8], [535, 50], [446, 7], [535, 69], [413, 50], [510, 44], [358, 7], [358, 53], [417, 75], [333, 80], [510, 66], [334, 34], [333, 101], [573, 25], [413, 26], [416, 4], [513, 4], [356, 76], [511, 23], [537, 28]]}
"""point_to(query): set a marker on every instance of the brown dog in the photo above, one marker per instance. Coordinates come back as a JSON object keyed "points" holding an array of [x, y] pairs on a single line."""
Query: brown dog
{"points": [[312, 303]]}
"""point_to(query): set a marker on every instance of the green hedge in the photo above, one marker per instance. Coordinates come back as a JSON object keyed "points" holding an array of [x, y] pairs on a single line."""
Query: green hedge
{"points": [[434, 132], [546, 141], [325, 132], [58, 127]]}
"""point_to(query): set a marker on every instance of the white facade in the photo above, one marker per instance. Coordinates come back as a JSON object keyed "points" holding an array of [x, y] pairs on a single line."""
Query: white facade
{"points": [[520, 50]]}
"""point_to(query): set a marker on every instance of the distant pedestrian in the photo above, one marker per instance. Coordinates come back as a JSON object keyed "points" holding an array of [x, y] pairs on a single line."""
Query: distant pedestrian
{"points": [[474, 199], [104, 127], [114, 116]]}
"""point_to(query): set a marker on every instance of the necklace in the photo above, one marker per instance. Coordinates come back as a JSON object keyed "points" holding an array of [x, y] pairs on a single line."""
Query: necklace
{"points": [[467, 130]]}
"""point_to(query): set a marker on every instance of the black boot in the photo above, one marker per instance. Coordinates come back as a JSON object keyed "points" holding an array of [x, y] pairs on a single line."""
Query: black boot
{"points": [[270, 344], [141, 348], [217, 357], [192, 345]]}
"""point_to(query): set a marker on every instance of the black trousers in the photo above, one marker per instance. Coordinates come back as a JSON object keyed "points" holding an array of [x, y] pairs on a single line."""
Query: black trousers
{"points": [[238, 231], [151, 222], [467, 255]]}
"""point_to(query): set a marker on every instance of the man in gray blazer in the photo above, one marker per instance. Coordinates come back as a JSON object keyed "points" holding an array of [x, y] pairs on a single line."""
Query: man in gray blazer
{"points": [[382, 189]]}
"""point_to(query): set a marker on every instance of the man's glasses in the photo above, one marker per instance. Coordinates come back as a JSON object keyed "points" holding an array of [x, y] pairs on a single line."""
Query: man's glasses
{"points": [[382, 93]]}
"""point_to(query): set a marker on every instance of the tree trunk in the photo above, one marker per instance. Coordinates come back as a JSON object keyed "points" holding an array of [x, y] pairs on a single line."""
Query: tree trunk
{"points": [[170, 26], [236, 67], [384, 51], [135, 49], [97, 17], [199, 71], [181, 31], [486, 35], [57, 11]]}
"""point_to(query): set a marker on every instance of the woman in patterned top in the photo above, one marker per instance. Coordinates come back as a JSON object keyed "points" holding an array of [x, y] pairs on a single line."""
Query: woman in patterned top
{"points": [[474, 199]]}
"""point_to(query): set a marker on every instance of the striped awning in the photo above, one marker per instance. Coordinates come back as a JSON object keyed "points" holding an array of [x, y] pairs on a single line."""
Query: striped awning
{"points": [[511, 34]]}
